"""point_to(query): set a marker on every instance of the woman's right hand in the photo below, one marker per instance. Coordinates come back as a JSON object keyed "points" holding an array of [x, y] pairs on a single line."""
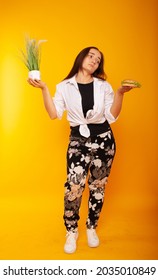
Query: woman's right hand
{"points": [[37, 83]]}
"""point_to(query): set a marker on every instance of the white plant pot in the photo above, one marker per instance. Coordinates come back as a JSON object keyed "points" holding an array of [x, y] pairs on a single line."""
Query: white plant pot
{"points": [[34, 74]]}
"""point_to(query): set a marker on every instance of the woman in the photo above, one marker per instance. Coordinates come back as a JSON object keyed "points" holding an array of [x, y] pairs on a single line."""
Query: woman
{"points": [[91, 106]]}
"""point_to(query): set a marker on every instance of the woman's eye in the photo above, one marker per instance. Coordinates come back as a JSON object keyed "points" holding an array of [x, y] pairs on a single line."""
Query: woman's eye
{"points": [[91, 56]]}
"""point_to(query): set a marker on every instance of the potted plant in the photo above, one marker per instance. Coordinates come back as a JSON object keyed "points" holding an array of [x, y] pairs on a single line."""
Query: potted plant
{"points": [[32, 57]]}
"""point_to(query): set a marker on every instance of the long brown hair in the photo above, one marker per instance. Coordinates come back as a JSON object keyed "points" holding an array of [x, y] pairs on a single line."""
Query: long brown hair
{"points": [[99, 72]]}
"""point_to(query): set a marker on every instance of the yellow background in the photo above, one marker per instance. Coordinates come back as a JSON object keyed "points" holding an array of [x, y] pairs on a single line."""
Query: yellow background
{"points": [[33, 148]]}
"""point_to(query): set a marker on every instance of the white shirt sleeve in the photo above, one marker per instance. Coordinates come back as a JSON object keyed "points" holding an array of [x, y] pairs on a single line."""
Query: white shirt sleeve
{"points": [[59, 102], [109, 97]]}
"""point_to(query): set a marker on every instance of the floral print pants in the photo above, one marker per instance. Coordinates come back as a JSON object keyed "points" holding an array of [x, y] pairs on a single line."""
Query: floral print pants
{"points": [[87, 159]]}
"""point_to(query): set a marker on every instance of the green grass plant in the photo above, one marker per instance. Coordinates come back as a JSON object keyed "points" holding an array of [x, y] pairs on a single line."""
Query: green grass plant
{"points": [[32, 54]]}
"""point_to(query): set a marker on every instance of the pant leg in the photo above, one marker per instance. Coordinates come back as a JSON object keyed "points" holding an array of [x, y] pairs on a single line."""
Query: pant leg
{"points": [[100, 167], [77, 167]]}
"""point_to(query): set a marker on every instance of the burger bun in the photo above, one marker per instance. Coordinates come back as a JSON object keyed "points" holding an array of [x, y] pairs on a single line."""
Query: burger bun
{"points": [[130, 83]]}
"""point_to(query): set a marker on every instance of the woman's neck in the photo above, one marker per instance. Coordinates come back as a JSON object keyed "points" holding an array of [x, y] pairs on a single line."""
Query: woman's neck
{"points": [[83, 78]]}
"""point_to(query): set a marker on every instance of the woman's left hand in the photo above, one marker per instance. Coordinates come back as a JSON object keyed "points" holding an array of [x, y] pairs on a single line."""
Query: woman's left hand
{"points": [[124, 89]]}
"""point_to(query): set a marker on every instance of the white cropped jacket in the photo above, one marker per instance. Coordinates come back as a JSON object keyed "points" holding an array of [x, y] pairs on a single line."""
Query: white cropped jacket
{"points": [[67, 97]]}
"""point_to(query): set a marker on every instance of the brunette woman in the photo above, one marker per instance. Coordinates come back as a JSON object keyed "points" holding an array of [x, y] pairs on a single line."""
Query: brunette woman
{"points": [[91, 107]]}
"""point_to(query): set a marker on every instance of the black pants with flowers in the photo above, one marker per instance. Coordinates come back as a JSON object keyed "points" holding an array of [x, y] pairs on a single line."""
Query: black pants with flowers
{"points": [[87, 158]]}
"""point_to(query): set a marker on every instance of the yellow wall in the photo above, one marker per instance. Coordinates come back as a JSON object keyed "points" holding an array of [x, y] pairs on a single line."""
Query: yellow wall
{"points": [[32, 147]]}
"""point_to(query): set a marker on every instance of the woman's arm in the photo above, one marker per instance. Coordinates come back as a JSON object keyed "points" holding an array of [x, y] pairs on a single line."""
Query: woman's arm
{"points": [[118, 100], [48, 102]]}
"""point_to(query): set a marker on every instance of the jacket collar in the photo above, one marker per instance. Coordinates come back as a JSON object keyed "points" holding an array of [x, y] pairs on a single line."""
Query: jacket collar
{"points": [[73, 80]]}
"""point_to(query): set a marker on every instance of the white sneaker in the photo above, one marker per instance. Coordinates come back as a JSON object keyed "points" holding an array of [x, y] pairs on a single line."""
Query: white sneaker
{"points": [[70, 244], [93, 240]]}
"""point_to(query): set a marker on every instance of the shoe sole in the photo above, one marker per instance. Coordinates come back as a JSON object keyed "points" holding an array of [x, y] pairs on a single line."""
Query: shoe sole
{"points": [[93, 246]]}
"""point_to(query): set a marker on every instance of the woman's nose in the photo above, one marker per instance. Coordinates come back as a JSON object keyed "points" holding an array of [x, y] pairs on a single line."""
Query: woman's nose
{"points": [[94, 60]]}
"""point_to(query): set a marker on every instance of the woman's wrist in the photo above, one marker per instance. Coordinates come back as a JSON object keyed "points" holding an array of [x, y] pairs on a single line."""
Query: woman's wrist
{"points": [[120, 91], [44, 87]]}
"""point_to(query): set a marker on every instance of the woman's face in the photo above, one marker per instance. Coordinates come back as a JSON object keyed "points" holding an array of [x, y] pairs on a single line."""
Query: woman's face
{"points": [[91, 61]]}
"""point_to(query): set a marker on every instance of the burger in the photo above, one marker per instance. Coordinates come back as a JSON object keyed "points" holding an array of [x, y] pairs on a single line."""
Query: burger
{"points": [[130, 83]]}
